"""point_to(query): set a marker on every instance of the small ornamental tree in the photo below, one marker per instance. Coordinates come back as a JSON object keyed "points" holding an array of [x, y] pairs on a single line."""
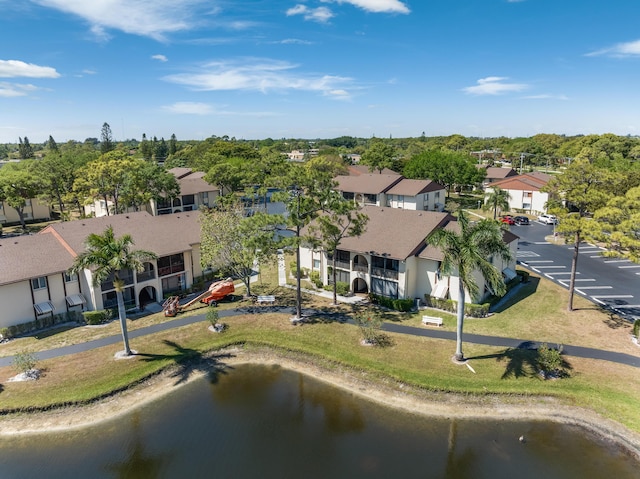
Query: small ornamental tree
{"points": [[369, 323]]}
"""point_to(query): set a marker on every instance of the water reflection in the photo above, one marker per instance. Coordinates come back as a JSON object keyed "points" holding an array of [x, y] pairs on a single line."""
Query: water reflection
{"points": [[268, 422], [138, 464]]}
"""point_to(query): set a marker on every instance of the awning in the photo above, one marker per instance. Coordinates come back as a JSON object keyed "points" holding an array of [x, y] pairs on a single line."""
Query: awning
{"points": [[76, 300], [44, 308], [442, 288], [509, 274]]}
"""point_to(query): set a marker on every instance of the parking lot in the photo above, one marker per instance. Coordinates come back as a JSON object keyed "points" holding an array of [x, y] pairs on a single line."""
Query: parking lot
{"points": [[610, 282]]}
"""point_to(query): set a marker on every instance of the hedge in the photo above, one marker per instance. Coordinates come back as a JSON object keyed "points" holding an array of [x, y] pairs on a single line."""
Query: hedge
{"points": [[41, 323], [403, 305], [472, 310]]}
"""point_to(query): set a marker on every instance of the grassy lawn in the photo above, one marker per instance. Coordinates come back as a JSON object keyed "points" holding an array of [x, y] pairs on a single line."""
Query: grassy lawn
{"points": [[537, 313]]}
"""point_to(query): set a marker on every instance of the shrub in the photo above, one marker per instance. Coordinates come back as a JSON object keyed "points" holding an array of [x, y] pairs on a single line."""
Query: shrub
{"points": [[403, 305], [314, 277], [342, 288], [294, 268], [5, 333], [524, 275], [550, 362], [94, 317], [636, 327], [24, 361], [477, 310]]}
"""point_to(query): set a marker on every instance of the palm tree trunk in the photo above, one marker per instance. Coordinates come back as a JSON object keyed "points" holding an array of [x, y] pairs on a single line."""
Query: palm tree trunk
{"points": [[123, 322], [334, 273], [459, 356], [574, 269]]}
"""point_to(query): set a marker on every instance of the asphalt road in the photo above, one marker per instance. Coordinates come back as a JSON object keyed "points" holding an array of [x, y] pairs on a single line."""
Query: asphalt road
{"points": [[609, 282]]}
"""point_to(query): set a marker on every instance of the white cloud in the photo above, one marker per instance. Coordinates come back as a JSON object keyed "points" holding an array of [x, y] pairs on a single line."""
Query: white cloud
{"points": [[620, 50], [546, 96], [294, 41], [257, 74], [149, 18], [17, 68], [320, 14], [160, 58], [494, 86], [189, 108], [375, 6], [338, 94], [89, 72], [10, 90]]}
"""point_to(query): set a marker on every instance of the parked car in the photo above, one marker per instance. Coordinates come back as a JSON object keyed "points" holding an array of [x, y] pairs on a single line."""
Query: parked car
{"points": [[507, 219], [548, 219], [521, 220]]}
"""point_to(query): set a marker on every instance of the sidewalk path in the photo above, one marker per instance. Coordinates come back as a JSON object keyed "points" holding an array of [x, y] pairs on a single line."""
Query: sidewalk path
{"points": [[569, 350]]}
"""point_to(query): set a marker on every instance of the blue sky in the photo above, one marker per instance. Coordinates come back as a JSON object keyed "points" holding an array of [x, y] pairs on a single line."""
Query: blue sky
{"points": [[317, 68]]}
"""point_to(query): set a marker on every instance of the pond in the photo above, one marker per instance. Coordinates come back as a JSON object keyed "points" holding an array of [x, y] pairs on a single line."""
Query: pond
{"points": [[268, 422]]}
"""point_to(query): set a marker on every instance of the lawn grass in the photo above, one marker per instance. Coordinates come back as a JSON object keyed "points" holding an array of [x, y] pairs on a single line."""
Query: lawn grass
{"points": [[537, 313]]}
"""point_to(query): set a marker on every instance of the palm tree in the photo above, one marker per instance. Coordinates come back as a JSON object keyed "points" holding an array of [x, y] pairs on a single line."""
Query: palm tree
{"points": [[107, 255], [466, 252], [497, 199]]}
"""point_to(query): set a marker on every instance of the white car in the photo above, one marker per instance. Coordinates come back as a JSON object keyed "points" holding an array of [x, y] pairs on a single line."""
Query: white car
{"points": [[548, 219]]}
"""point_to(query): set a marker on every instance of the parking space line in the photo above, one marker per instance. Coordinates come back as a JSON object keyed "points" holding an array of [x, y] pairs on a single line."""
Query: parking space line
{"points": [[551, 267], [617, 261], [613, 296], [632, 266], [540, 261], [627, 306], [596, 287]]}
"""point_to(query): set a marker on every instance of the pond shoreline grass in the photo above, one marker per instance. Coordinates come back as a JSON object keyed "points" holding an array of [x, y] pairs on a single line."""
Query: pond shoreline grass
{"points": [[502, 378]]}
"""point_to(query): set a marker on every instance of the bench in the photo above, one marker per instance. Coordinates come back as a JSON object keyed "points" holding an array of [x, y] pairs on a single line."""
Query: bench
{"points": [[431, 320], [269, 298]]}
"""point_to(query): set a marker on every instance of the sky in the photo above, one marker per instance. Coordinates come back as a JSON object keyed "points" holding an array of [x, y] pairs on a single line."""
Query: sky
{"points": [[255, 69]]}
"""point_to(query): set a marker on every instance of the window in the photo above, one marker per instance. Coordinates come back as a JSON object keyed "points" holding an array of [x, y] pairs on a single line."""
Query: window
{"points": [[170, 264], [148, 273], [341, 276], [385, 267], [343, 259], [39, 283], [384, 287], [370, 199], [425, 204], [205, 197], [124, 275], [70, 278], [348, 195], [173, 283], [188, 200], [316, 264], [110, 299], [400, 203]]}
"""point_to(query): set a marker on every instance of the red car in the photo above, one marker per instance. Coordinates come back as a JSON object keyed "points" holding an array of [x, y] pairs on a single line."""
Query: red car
{"points": [[507, 219]]}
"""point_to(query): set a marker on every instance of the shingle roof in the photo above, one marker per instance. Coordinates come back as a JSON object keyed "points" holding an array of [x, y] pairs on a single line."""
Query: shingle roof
{"points": [[527, 182], [369, 183], [25, 257], [164, 235], [414, 187], [357, 170], [192, 185], [398, 233], [496, 172]]}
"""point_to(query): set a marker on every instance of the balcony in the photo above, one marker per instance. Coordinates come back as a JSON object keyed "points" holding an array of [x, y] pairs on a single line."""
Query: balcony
{"points": [[384, 273]]}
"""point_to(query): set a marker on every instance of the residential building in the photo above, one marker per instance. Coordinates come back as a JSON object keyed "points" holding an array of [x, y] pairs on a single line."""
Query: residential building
{"points": [[525, 193], [33, 269], [495, 174], [392, 190], [391, 258], [34, 210], [194, 193]]}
